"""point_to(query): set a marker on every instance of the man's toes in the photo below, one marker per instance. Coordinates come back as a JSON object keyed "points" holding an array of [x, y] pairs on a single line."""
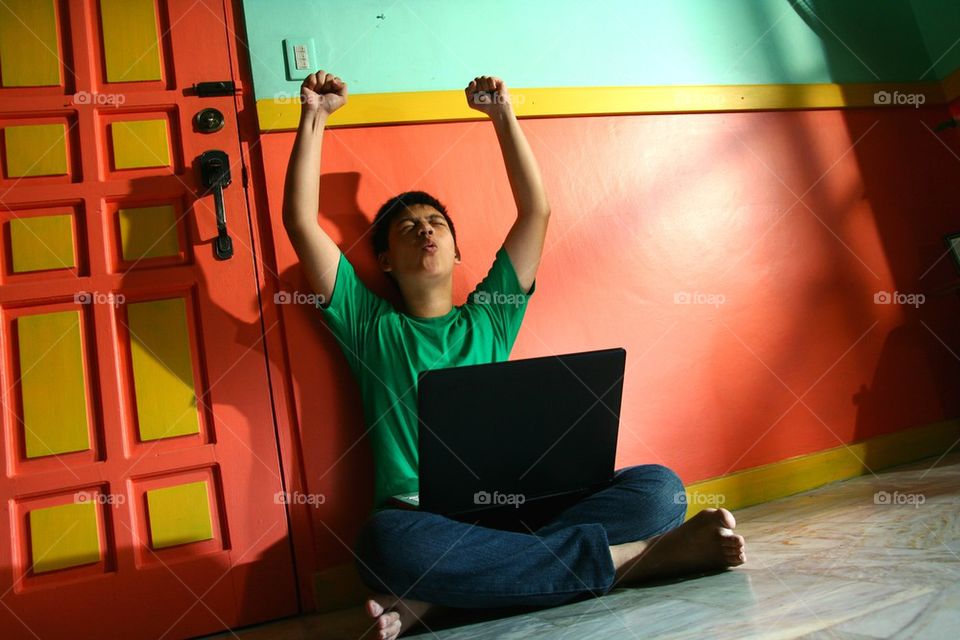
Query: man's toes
{"points": [[728, 520], [733, 541], [734, 557], [388, 619], [374, 608], [390, 632], [732, 553]]}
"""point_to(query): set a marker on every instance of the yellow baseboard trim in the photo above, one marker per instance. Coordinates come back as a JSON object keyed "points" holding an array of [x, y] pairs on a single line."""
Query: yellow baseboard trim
{"points": [[283, 113], [340, 587], [803, 473]]}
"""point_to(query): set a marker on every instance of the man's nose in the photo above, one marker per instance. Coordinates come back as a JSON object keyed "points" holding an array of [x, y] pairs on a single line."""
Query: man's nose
{"points": [[425, 228]]}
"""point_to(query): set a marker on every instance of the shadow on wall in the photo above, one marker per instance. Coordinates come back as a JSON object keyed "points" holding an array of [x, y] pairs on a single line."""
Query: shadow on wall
{"points": [[848, 33], [911, 184], [338, 459], [874, 196]]}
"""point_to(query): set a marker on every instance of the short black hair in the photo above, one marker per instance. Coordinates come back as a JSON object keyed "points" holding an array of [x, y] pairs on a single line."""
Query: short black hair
{"points": [[397, 205]]}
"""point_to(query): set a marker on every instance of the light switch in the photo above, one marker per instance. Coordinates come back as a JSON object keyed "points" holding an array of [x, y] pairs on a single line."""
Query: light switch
{"points": [[301, 57]]}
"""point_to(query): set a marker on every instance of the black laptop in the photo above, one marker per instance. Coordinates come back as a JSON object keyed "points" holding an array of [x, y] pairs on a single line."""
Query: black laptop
{"points": [[505, 436]]}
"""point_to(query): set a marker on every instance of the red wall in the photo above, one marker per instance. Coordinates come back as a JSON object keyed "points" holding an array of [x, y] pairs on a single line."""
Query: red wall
{"points": [[648, 206]]}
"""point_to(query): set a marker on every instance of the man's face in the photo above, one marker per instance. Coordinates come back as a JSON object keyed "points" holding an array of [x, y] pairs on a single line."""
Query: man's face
{"points": [[420, 244]]}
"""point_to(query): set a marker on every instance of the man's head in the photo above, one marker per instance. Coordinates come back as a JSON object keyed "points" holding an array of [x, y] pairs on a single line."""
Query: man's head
{"points": [[414, 237]]}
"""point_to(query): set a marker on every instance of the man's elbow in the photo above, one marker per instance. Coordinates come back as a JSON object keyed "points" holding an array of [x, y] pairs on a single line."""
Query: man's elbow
{"points": [[295, 228], [293, 219], [536, 211]]}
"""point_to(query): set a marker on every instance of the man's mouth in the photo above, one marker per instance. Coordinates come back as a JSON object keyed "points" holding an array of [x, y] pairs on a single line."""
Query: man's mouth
{"points": [[429, 246]]}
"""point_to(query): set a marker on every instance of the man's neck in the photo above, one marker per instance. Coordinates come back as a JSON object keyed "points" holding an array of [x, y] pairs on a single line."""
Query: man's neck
{"points": [[430, 302]]}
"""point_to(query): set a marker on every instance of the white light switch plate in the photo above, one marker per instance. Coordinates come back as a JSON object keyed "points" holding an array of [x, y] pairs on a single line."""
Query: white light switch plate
{"points": [[301, 57]]}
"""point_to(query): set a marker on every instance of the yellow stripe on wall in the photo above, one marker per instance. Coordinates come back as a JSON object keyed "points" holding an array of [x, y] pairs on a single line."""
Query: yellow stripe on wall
{"points": [[51, 358], [951, 86], [42, 242], [162, 369], [130, 43], [28, 43], [283, 114], [802, 473]]}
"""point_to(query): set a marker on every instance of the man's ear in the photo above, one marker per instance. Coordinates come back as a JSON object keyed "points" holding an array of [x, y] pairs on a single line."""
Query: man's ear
{"points": [[384, 261]]}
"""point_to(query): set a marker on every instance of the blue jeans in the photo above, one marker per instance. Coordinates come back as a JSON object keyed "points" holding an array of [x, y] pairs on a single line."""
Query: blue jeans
{"points": [[446, 561]]}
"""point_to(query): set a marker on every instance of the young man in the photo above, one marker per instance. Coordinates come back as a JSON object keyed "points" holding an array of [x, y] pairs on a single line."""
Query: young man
{"points": [[416, 561]]}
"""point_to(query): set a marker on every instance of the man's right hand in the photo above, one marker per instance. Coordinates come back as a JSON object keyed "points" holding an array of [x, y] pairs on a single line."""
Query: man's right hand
{"points": [[323, 92]]}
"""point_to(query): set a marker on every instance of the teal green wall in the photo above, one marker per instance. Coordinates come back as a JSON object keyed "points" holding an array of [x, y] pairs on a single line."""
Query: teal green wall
{"points": [[939, 21], [421, 45]]}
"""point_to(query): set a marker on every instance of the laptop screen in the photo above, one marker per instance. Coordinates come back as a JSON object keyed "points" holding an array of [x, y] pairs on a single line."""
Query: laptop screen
{"points": [[510, 432]]}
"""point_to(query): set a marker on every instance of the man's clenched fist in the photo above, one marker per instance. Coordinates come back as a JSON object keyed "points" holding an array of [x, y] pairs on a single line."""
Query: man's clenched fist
{"points": [[489, 95], [322, 91]]}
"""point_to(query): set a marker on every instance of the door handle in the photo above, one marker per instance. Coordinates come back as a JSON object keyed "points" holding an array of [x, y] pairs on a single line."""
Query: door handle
{"points": [[215, 175]]}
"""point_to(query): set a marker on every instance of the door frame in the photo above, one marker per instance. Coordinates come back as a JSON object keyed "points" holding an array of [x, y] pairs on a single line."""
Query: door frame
{"points": [[286, 425]]}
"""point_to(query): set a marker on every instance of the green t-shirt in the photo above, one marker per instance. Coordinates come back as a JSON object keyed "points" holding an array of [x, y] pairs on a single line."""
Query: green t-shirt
{"points": [[386, 349]]}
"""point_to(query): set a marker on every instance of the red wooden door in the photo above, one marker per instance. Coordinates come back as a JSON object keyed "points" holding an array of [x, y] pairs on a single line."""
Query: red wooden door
{"points": [[141, 475]]}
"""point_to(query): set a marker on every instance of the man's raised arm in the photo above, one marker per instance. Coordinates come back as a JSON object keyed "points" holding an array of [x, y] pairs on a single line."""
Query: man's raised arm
{"points": [[321, 94], [524, 242]]}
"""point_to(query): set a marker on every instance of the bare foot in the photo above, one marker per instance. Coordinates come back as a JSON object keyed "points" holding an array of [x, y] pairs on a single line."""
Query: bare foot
{"points": [[705, 542], [392, 616]]}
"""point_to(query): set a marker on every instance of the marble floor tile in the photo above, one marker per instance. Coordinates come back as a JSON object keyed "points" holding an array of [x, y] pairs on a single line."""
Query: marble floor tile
{"points": [[884, 622], [939, 619]]}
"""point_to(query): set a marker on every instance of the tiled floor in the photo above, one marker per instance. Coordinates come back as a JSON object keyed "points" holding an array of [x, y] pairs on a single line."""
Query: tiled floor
{"points": [[831, 563]]}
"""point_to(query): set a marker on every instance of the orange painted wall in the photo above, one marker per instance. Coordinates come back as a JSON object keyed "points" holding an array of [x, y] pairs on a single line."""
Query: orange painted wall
{"points": [[646, 207]]}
